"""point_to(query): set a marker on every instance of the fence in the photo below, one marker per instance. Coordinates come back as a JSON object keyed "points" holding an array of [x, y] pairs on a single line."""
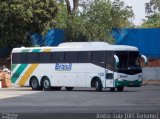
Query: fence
{"points": [[145, 39], [151, 73]]}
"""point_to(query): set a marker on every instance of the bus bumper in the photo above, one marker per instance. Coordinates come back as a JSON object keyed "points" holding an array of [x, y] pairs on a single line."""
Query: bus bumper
{"points": [[123, 83]]}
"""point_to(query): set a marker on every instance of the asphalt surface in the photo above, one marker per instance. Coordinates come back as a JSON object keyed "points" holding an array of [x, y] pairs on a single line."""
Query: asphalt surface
{"points": [[145, 99]]}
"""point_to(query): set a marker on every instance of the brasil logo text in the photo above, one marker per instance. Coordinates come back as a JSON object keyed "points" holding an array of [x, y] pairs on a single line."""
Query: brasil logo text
{"points": [[63, 67]]}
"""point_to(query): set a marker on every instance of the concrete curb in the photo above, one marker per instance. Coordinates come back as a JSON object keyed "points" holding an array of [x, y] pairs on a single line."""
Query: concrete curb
{"points": [[151, 82]]}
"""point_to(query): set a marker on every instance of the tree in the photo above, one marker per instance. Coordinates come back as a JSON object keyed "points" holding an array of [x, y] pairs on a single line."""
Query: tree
{"points": [[19, 17], [62, 16], [75, 7], [95, 20], [153, 15], [104, 16], [153, 6], [153, 21]]}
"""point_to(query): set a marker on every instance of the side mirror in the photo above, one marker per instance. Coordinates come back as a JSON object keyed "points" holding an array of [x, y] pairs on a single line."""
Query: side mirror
{"points": [[117, 60], [145, 59]]}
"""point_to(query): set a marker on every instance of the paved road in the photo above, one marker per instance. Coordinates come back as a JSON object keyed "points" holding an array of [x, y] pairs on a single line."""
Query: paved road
{"points": [[81, 100]]}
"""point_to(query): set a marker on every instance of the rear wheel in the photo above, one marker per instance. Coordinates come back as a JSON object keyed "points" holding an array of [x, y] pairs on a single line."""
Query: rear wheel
{"points": [[46, 84], [56, 88], [120, 89], [69, 88], [35, 84], [98, 85]]}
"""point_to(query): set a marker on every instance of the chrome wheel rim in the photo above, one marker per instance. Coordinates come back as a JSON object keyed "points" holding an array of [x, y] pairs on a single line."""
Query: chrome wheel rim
{"points": [[34, 83], [96, 84], [46, 84]]}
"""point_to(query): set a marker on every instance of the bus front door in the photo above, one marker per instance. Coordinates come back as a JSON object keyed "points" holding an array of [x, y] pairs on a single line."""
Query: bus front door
{"points": [[109, 79]]}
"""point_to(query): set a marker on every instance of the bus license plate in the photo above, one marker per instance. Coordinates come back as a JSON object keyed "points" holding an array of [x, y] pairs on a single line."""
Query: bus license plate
{"points": [[131, 84]]}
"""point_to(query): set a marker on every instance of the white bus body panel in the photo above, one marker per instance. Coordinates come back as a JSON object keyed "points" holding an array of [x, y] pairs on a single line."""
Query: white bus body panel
{"points": [[79, 76], [123, 76]]}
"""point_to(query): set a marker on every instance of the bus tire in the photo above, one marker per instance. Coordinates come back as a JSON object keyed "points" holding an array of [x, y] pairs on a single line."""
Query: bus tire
{"points": [[46, 84], [120, 89], [69, 88], [112, 89], [98, 85], [35, 84], [56, 88]]}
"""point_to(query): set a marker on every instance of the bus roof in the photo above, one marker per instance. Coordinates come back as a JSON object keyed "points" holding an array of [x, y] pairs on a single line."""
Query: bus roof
{"points": [[79, 46], [83, 44]]}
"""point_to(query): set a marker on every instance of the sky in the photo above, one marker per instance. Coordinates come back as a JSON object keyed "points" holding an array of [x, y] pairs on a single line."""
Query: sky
{"points": [[138, 7]]}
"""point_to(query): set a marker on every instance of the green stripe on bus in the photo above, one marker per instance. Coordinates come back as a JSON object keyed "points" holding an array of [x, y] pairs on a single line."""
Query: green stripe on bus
{"points": [[21, 68], [18, 72], [15, 75], [25, 51], [36, 50], [13, 66]]}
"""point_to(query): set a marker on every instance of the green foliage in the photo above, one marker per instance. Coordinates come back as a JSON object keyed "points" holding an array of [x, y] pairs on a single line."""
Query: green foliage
{"points": [[153, 21], [61, 17], [92, 22], [103, 16], [153, 6], [95, 21], [18, 17], [153, 11]]}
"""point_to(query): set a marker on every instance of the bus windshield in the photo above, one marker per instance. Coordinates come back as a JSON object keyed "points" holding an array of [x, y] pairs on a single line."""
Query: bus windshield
{"points": [[128, 60]]}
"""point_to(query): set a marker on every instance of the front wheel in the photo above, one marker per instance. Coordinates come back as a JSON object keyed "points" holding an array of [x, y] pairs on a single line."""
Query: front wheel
{"points": [[46, 84], [69, 88], [120, 89], [98, 85]]}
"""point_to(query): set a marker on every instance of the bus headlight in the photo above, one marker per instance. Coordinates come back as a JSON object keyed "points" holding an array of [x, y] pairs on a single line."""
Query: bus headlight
{"points": [[140, 77], [120, 79]]}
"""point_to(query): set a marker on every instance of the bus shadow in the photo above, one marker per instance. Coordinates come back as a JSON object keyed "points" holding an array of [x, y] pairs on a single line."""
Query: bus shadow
{"points": [[16, 89], [21, 89], [98, 91], [93, 90]]}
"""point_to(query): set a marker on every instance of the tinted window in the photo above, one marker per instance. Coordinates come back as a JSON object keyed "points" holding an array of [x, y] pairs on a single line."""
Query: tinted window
{"points": [[44, 57], [58, 57], [109, 60], [98, 58], [70, 57], [18, 58], [84, 57], [32, 57], [109, 75], [128, 62]]}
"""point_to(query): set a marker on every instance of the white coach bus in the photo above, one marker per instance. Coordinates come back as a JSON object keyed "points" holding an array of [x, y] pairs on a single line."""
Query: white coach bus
{"points": [[83, 64]]}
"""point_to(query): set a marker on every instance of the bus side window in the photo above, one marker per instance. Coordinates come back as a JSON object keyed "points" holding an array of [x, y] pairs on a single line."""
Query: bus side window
{"points": [[57, 57], [32, 57], [19, 58], [70, 57], [98, 58], [44, 57], [84, 57]]}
